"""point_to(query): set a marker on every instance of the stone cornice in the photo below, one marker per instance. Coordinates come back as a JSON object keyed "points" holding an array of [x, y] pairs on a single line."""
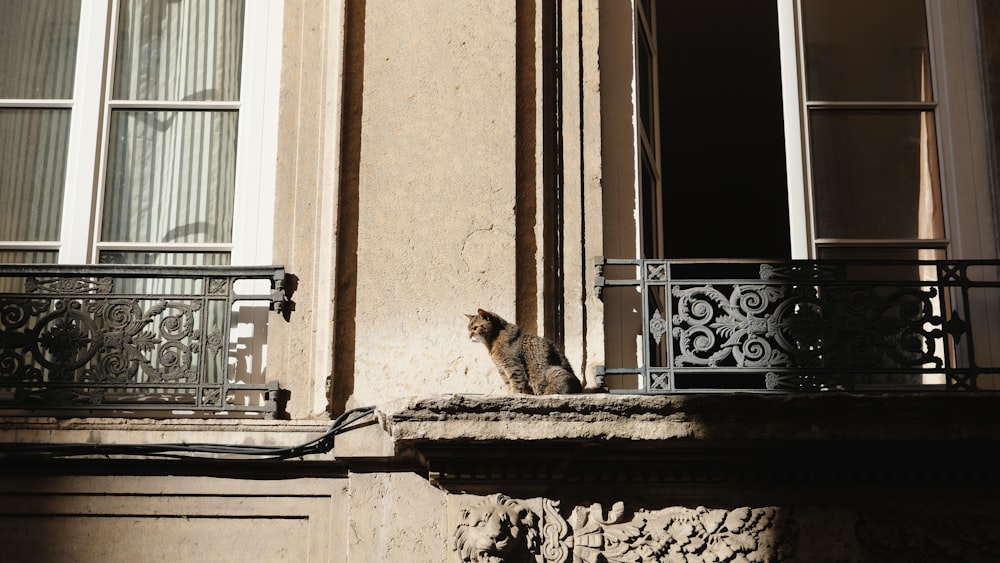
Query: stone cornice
{"points": [[693, 418], [678, 444]]}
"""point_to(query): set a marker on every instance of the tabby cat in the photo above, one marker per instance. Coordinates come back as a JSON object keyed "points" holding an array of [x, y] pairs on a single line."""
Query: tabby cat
{"points": [[528, 363]]}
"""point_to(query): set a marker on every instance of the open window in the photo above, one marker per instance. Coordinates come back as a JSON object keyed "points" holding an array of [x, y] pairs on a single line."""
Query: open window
{"points": [[793, 129]]}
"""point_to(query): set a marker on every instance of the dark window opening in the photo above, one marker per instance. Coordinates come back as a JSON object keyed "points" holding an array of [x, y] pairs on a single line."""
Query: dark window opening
{"points": [[721, 131]]}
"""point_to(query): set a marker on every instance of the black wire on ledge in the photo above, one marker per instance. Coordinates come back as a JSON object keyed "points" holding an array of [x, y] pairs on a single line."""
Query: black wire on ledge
{"points": [[319, 445]]}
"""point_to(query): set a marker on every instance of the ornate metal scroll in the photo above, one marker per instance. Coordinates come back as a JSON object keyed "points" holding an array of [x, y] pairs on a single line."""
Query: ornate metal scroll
{"points": [[127, 338], [807, 325]]}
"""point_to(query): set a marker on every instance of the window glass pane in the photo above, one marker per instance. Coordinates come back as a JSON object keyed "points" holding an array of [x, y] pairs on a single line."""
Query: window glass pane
{"points": [[179, 50], [171, 177], [32, 172], [644, 80], [166, 285], [883, 262], [652, 202], [875, 175], [28, 257], [880, 254], [860, 50], [166, 258], [39, 48]]}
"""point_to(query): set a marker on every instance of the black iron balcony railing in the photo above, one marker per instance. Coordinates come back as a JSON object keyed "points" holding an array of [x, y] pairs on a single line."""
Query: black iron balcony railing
{"points": [[139, 340], [699, 326]]}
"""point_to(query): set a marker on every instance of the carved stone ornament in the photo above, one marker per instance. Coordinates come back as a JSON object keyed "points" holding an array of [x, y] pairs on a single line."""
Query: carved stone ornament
{"points": [[499, 529], [677, 534]]}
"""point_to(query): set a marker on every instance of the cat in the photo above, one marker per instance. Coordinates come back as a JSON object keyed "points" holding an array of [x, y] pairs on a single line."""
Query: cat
{"points": [[528, 363]]}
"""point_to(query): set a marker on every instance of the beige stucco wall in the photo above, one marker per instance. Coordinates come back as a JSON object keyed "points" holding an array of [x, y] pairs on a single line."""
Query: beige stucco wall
{"points": [[362, 518], [128, 519], [300, 351], [398, 196], [435, 194], [422, 163]]}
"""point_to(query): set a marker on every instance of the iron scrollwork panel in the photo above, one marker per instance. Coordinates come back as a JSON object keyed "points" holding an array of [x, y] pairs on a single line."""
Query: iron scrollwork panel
{"points": [[129, 342], [882, 325], [115, 343], [856, 329]]}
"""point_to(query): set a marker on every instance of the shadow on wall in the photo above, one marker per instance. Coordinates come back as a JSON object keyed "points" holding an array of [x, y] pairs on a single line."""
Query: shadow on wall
{"points": [[345, 313]]}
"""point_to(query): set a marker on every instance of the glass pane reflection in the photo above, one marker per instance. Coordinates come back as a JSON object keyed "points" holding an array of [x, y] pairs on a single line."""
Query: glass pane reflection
{"points": [[171, 177], [39, 48], [169, 50], [33, 145], [875, 175], [859, 50]]}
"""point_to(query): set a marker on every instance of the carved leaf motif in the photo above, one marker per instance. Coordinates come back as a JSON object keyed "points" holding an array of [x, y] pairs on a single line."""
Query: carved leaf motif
{"points": [[144, 341], [618, 540], [695, 544], [726, 325], [736, 519], [671, 534], [713, 519], [742, 542], [555, 530], [720, 551]]}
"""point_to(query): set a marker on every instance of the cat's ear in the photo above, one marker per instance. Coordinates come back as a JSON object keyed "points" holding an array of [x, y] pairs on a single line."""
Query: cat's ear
{"points": [[485, 314], [470, 317]]}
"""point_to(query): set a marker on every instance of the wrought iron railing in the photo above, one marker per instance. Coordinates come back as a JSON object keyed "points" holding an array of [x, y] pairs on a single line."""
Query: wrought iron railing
{"points": [[139, 340], [700, 326]]}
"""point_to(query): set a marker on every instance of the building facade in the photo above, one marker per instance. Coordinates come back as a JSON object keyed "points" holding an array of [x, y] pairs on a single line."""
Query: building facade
{"points": [[578, 166]]}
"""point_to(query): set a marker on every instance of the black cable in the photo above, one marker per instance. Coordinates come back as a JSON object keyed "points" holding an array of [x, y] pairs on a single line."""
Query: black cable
{"points": [[319, 445]]}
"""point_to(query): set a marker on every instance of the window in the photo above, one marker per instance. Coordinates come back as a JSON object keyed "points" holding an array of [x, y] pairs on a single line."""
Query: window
{"points": [[870, 108], [804, 128], [779, 129], [140, 132], [137, 131], [710, 144]]}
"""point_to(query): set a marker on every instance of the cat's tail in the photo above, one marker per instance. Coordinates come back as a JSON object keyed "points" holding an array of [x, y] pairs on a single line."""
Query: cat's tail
{"points": [[599, 381]]}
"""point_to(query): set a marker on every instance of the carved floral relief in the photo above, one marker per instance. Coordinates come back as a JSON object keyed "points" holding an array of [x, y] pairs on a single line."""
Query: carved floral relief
{"points": [[499, 529]]}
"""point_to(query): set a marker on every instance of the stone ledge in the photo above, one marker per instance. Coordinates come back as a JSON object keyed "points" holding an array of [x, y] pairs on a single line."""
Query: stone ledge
{"points": [[677, 445], [242, 432], [692, 418]]}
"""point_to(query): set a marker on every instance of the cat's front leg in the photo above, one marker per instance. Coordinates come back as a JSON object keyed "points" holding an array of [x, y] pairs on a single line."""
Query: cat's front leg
{"points": [[517, 379], [504, 375]]}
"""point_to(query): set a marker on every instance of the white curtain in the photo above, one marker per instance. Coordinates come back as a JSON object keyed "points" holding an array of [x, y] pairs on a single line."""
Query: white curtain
{"points": [[39, 39], [171, 173]]}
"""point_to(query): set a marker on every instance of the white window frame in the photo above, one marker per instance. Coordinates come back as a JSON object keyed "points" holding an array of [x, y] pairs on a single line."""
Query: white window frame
{"points": [[256, 156], [960, 118]]}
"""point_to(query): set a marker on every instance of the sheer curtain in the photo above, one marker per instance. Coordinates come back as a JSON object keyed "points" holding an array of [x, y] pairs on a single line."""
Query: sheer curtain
{"points": [[171, 160], [37, 68], [173, 129]]}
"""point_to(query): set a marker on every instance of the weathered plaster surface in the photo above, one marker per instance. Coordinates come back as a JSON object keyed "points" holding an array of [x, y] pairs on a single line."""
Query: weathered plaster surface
{"points": [[395, 517], [436, 193], [299, 351]]}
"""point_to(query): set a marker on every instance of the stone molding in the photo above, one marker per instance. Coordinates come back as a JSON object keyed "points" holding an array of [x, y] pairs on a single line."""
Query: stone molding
{"points": [[500, 529], [699, 449], [719, 417], [496, 529]]}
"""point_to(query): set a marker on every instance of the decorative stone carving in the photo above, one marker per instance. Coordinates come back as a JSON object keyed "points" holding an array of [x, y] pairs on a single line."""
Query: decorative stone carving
{"points": [[498, 529], [677, 534]]}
